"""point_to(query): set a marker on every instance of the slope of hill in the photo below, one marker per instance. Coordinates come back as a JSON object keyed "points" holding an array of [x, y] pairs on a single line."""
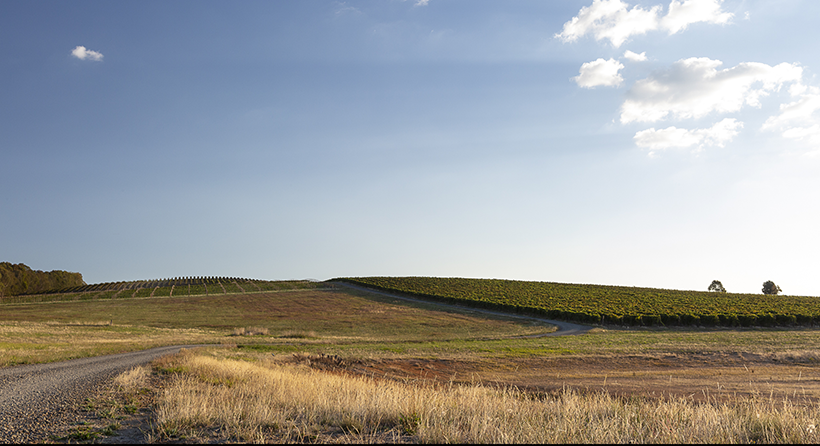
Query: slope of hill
{"points": [[601, 304], [178, 286]]}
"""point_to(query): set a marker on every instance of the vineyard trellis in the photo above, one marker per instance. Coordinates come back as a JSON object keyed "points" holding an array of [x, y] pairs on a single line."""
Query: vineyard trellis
{"points": [[171, 287], [139, 284]]}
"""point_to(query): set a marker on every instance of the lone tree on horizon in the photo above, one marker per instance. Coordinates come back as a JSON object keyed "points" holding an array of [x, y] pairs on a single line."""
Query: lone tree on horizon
{"points": [[770, 288], [717, 287]]}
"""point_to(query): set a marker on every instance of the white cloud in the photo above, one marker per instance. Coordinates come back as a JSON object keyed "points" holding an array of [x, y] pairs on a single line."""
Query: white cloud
{"points": [[82, 53], [673, 137], [600, 73], [613, 20], [635, 57], [797, 112], [610, 19], [693, 88], [682, 14], [798, 120], [808, 134], [422, 2]]}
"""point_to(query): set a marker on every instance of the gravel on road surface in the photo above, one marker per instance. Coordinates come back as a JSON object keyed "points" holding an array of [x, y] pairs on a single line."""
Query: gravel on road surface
{"points": [[38, 400]]}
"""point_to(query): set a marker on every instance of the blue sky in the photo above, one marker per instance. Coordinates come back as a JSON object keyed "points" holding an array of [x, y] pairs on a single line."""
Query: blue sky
{"points": [[652, 143]]}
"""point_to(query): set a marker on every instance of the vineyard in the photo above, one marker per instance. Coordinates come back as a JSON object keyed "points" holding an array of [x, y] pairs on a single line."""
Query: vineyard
{"points": [[615, 305], [180, 286]]}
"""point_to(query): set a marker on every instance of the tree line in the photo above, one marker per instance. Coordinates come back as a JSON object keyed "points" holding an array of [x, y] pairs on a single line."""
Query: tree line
{"points": [[18, 279]]}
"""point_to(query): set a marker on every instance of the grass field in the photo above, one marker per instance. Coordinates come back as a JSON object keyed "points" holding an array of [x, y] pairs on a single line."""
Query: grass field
{"points": [[708, 379], [37, 332]]}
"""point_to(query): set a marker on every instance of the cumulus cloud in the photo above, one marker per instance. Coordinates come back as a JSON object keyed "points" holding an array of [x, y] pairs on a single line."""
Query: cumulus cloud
{"points": [[614, 20], [600, 73], [682, 14], [610, 19], [635, 57], [694, 87], [82, 53], [673, 137]]}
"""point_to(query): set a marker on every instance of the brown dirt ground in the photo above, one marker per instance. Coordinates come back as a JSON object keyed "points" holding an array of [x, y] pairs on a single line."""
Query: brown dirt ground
{"points": [[721, 377]]}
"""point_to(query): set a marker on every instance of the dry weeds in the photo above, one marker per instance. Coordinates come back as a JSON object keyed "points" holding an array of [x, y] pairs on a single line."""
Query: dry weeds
{"points": [[35, 342], [222, 399], [250, 331], [133, 380]]}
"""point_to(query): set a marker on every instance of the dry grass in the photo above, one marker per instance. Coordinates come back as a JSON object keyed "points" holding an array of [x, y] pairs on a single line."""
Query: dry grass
{"points": [[133, 380], [224, 399], [298, 334], [250, 331], [34, 342]]}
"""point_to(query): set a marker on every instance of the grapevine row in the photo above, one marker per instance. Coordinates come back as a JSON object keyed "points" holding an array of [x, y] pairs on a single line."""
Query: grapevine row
{"points": [[616, 305], [138, 284], [176, 287]]}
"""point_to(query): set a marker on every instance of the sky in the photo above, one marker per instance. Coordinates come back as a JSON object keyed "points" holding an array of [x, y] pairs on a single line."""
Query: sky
{"points": [[642, 143]]}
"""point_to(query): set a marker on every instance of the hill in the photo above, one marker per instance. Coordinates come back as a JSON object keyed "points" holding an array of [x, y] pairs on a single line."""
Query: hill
{"points": [[178, 286], [602, 304], [20, 279]]}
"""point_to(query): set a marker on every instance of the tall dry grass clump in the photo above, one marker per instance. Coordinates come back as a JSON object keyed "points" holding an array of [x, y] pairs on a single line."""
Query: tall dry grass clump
{"points": [[269, 402], [133, 379], [250, 331]]}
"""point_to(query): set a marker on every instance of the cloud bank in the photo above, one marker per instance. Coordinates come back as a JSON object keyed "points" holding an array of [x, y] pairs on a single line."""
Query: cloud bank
{"points": [[614, 20], [82, 53]]}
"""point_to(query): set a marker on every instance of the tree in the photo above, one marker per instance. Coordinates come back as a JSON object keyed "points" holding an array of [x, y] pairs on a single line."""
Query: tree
{"points": [[717, 287], [770, 288]]}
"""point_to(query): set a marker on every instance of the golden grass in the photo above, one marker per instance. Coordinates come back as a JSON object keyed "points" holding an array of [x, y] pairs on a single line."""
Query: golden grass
{"points": [[298, 334], [132, 380], [250, 331], [36, 342], [271, 401]]}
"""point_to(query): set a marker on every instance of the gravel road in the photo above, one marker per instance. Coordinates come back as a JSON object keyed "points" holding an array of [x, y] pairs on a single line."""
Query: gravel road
{"points": [[38, 400], [564, 328]]}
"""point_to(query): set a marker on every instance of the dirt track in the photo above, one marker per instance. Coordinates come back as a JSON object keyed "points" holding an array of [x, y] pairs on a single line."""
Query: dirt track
{"points": [[564, 328], [37, 400]]}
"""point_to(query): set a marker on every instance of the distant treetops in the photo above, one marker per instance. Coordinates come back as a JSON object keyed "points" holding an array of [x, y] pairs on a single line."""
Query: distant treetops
{"points": [[717, 287], [20, 279], [768, 287]]}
